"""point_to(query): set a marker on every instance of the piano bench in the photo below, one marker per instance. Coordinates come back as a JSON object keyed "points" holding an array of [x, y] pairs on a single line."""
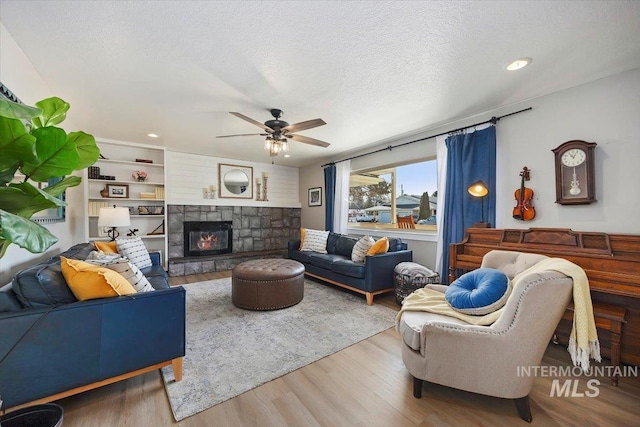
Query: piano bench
{"points": [[609, 318]]}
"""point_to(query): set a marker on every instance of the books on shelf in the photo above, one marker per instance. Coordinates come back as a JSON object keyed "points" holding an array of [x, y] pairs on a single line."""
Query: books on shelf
{"points": [[94, 207], [147, 195], [160, 193]]}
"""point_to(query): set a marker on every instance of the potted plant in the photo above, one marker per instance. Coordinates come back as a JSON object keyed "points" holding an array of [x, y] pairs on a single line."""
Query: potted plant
{"points": [[35, 150]]}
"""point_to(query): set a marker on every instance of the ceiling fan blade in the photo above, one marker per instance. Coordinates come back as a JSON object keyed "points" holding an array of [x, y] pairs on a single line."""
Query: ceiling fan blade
{"points": [[253, 122], [309, 124], [242, 134], [308, 140]]}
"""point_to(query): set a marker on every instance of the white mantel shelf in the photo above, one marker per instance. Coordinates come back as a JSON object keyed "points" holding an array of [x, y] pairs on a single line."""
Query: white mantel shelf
{"points": [[232, 202]]}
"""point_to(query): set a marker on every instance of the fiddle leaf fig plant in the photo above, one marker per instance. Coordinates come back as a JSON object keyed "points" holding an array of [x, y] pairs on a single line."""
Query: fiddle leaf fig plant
{"points": [[35, 150]]}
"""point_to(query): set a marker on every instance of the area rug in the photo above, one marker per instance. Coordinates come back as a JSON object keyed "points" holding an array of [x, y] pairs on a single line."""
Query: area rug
{"points": [[231, 350]]}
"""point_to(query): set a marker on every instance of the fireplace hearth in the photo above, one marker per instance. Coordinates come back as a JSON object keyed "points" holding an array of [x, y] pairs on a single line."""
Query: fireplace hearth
{"points": [[202, 238]]}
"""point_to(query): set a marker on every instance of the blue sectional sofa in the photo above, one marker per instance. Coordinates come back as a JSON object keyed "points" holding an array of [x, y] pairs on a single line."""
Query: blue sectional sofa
{"points": [[53, 346], [372, 277]]}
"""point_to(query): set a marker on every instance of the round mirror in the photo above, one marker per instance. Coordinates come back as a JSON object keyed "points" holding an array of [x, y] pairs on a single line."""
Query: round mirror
{"points": [[236, 181]]}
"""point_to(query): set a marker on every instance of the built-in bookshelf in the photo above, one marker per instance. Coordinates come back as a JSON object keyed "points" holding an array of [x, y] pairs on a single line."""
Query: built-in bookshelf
{"points": [[112, 181]]}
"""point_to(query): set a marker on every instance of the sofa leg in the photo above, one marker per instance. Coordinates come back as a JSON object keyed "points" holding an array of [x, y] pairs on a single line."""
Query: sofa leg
{"points": [[176, 364], [369, 298], [417, 388], [523, 407]]}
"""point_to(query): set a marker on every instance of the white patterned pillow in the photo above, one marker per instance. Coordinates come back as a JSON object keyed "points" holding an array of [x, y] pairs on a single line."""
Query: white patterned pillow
{"points": [[134, 249], [120, 264], [361, 247], [315, 241]]}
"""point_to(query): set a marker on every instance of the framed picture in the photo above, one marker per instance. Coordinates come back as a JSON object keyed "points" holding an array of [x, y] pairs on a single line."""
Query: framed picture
{"points": [[315, 196], [118, 191], [235, 182]]}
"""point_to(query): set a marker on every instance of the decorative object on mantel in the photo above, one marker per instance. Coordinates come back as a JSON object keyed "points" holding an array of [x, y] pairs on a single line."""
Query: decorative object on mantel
{"points": [[315, 196], [139, 176], [236, 182], [258, 193], [210, 192], [265, 177]]}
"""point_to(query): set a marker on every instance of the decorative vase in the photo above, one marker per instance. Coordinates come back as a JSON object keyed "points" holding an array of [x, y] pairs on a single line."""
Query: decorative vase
{"points": [[104, 192], [141, 179]]}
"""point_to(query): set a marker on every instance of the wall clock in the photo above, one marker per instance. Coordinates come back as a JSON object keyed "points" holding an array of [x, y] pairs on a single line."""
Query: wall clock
{"points": [[575, 173]]}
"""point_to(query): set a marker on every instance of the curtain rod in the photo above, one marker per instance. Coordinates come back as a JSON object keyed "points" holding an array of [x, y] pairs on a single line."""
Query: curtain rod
{"points": [[493, 120]]}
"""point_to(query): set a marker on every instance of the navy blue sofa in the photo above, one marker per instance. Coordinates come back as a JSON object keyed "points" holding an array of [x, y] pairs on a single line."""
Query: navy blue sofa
{"points": [[53, 346], [372, 277]]}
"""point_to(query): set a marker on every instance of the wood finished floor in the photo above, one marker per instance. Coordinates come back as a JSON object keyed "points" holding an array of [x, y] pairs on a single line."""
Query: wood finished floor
{"points": [[363, 385]]}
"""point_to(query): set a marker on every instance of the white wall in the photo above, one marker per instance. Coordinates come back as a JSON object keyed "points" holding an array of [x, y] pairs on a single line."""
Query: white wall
{"points": [[188, 174], [18, 74], [605, 111], [312, 216]]}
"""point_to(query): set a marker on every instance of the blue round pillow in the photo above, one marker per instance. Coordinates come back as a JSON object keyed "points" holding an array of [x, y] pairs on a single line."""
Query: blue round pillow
{"points": [[479, 292]]}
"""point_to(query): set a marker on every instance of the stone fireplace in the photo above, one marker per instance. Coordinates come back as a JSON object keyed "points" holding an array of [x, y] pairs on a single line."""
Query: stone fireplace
{"points": [[202, 238], [255, 233]]}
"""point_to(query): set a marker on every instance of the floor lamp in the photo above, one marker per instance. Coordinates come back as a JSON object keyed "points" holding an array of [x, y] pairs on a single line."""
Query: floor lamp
{"points": [[479, 189], [112, 218]]}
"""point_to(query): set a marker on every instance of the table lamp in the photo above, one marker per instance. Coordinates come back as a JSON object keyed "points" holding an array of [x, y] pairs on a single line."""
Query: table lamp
{"points": [[112, 218]]}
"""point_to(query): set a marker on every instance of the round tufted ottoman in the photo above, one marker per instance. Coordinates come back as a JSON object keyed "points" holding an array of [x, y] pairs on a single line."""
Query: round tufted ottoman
{"points": [[267, 284]]}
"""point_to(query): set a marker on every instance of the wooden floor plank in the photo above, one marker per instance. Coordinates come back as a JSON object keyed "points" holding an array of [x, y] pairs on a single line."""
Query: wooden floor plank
{"points": [[363, 385]]}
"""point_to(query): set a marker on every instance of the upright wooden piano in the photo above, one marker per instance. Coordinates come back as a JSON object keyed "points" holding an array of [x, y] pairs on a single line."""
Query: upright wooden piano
{"points": [[611, 261]]}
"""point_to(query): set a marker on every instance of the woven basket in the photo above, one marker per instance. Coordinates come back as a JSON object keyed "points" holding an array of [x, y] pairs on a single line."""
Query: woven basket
{"points": [[404, 284]]}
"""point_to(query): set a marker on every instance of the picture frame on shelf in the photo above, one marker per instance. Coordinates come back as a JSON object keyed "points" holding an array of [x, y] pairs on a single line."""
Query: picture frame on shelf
{"points": [[315, 196], [118, 191]]}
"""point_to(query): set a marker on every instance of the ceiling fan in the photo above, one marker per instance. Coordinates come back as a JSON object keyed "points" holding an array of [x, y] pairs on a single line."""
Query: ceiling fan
{"points": [[278, 131]]}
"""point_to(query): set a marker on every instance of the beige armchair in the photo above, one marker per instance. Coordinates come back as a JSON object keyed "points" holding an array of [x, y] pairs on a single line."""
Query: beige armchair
{"points": [[485, 359]]}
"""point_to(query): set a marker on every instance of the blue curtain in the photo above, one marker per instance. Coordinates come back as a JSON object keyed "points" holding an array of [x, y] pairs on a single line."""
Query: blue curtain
{"points": [[470, 157], [329, 195]]}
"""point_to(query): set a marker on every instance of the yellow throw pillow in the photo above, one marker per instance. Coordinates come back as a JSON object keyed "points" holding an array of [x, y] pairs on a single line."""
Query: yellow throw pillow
{"points": [[379, 247], [107, 247], [88, 281], [301, 238]]}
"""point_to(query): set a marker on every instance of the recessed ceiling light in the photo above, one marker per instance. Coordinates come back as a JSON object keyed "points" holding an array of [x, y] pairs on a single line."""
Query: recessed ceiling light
{"points": [[152, 135], [287, 155], [519, 63]]}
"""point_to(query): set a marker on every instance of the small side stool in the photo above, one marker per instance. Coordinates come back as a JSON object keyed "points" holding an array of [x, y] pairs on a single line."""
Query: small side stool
{"points": [[609, 318]]}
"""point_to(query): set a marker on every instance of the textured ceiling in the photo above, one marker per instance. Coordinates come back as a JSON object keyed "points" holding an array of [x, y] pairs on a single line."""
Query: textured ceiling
{"points": [[372, 70]]}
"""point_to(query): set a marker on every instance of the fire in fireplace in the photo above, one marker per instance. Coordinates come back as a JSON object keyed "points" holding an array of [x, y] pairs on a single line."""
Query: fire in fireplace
{"points": [[207, 238]]}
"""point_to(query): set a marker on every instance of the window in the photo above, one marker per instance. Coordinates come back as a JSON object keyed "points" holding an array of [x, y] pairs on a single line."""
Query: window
{"points": [[378, 196]]}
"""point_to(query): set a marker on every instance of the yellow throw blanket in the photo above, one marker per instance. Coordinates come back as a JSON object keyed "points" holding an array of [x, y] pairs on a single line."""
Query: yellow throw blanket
{"points": [[583, 343]]}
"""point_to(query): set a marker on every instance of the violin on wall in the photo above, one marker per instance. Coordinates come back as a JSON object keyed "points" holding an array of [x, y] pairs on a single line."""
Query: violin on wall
{"points": [[524, 211]]}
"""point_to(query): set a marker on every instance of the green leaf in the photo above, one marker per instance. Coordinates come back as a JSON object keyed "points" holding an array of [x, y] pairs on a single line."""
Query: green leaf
{"points": [[24, 199], [25, 233], [54, 111], [87, 148], [60, 186], [6, 175], [16, 144], [55, 155], [13, 110]]}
